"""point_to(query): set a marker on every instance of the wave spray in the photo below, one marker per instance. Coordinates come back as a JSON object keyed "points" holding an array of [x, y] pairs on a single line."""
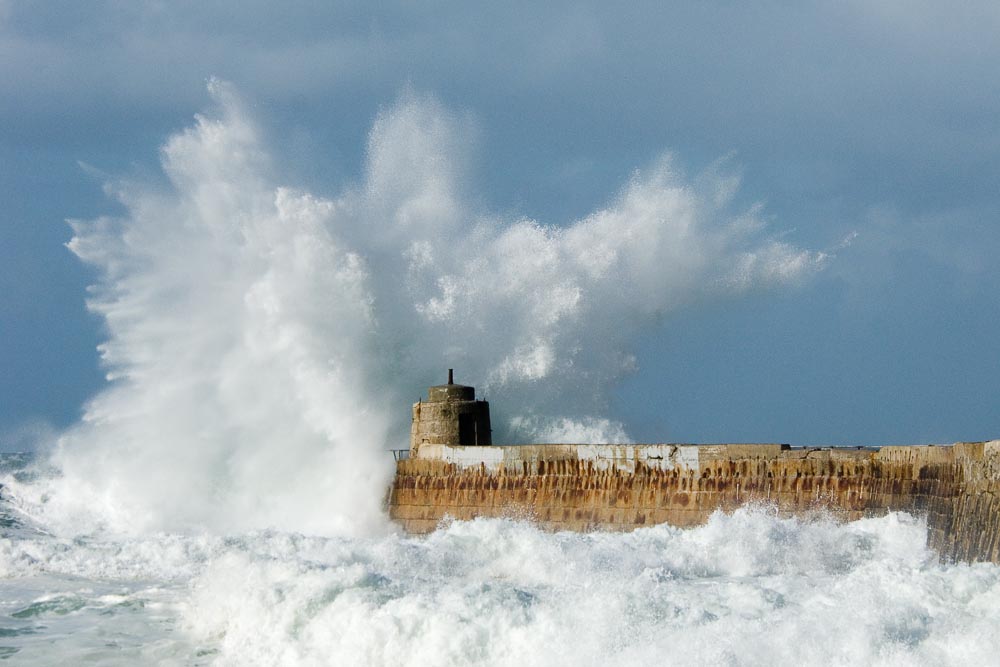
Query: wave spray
{"points": [[263, 342]]}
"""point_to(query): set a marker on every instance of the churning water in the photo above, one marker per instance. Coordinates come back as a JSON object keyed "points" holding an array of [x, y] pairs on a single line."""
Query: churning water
{"points": [[745, 589], [220, 502]]}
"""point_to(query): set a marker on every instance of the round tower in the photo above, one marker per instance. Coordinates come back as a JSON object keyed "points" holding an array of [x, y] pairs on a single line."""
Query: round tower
{"points": [[451, 415]]}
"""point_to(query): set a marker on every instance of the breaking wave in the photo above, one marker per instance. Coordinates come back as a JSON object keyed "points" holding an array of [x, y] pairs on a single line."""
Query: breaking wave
{"points": [[263, 341]]}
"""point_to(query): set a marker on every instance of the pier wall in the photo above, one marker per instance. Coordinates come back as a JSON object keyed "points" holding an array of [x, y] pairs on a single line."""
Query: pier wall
{"points": [[623, 487]]}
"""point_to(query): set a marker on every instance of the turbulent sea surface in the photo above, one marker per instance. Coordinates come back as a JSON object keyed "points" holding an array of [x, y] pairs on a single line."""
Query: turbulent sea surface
{"points": [[746, 589]]}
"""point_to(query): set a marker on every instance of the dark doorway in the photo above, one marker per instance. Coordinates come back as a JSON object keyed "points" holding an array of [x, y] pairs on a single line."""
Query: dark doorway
{"points": [[467, 429]]}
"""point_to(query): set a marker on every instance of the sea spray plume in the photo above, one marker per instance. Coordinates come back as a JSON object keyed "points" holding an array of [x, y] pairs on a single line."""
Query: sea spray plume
{"points": [[547, 315], [239, 334], [262, 341]]}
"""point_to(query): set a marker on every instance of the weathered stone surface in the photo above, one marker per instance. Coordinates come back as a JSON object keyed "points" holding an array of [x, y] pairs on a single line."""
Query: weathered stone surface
{"points": [[622, 487], [450, 416]]}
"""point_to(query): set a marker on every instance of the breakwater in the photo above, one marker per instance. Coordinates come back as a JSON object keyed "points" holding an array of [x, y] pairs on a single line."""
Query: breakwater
{"points": [[623, 487]]}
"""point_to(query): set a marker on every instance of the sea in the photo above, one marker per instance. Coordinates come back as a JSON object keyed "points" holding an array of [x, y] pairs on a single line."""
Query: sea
{"points": [[219, 500], [747, 588]]}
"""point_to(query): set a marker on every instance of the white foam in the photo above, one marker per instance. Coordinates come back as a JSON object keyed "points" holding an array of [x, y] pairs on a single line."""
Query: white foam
{"points": [[747, 589]]}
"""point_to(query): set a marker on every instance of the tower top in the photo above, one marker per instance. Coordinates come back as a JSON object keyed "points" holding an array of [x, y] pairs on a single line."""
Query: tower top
{"points": [[451, 391]]}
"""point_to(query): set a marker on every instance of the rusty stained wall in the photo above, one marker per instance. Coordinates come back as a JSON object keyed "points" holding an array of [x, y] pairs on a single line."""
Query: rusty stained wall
{"points": [[605, 487]]}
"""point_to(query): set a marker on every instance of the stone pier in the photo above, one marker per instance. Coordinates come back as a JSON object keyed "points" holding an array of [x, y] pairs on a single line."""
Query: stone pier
{"points": [[454, 471], [623, 487]]}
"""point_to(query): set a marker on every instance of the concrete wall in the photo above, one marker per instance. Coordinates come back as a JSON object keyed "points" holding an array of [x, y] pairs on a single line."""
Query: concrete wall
{"points": [[622, 487]]}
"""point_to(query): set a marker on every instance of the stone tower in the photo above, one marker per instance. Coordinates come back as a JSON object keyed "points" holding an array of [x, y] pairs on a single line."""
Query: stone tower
{"points": [[451, 415]]}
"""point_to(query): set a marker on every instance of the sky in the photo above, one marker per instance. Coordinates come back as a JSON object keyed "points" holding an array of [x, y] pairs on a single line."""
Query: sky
{"points": [[863, 133]]}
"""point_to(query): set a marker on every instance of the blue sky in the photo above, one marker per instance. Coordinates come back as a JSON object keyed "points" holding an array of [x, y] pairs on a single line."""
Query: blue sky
{"points": [[875, 123]]}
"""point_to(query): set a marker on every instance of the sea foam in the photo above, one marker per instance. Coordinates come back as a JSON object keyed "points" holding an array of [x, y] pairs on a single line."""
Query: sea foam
{"points": [[749, 588]]}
